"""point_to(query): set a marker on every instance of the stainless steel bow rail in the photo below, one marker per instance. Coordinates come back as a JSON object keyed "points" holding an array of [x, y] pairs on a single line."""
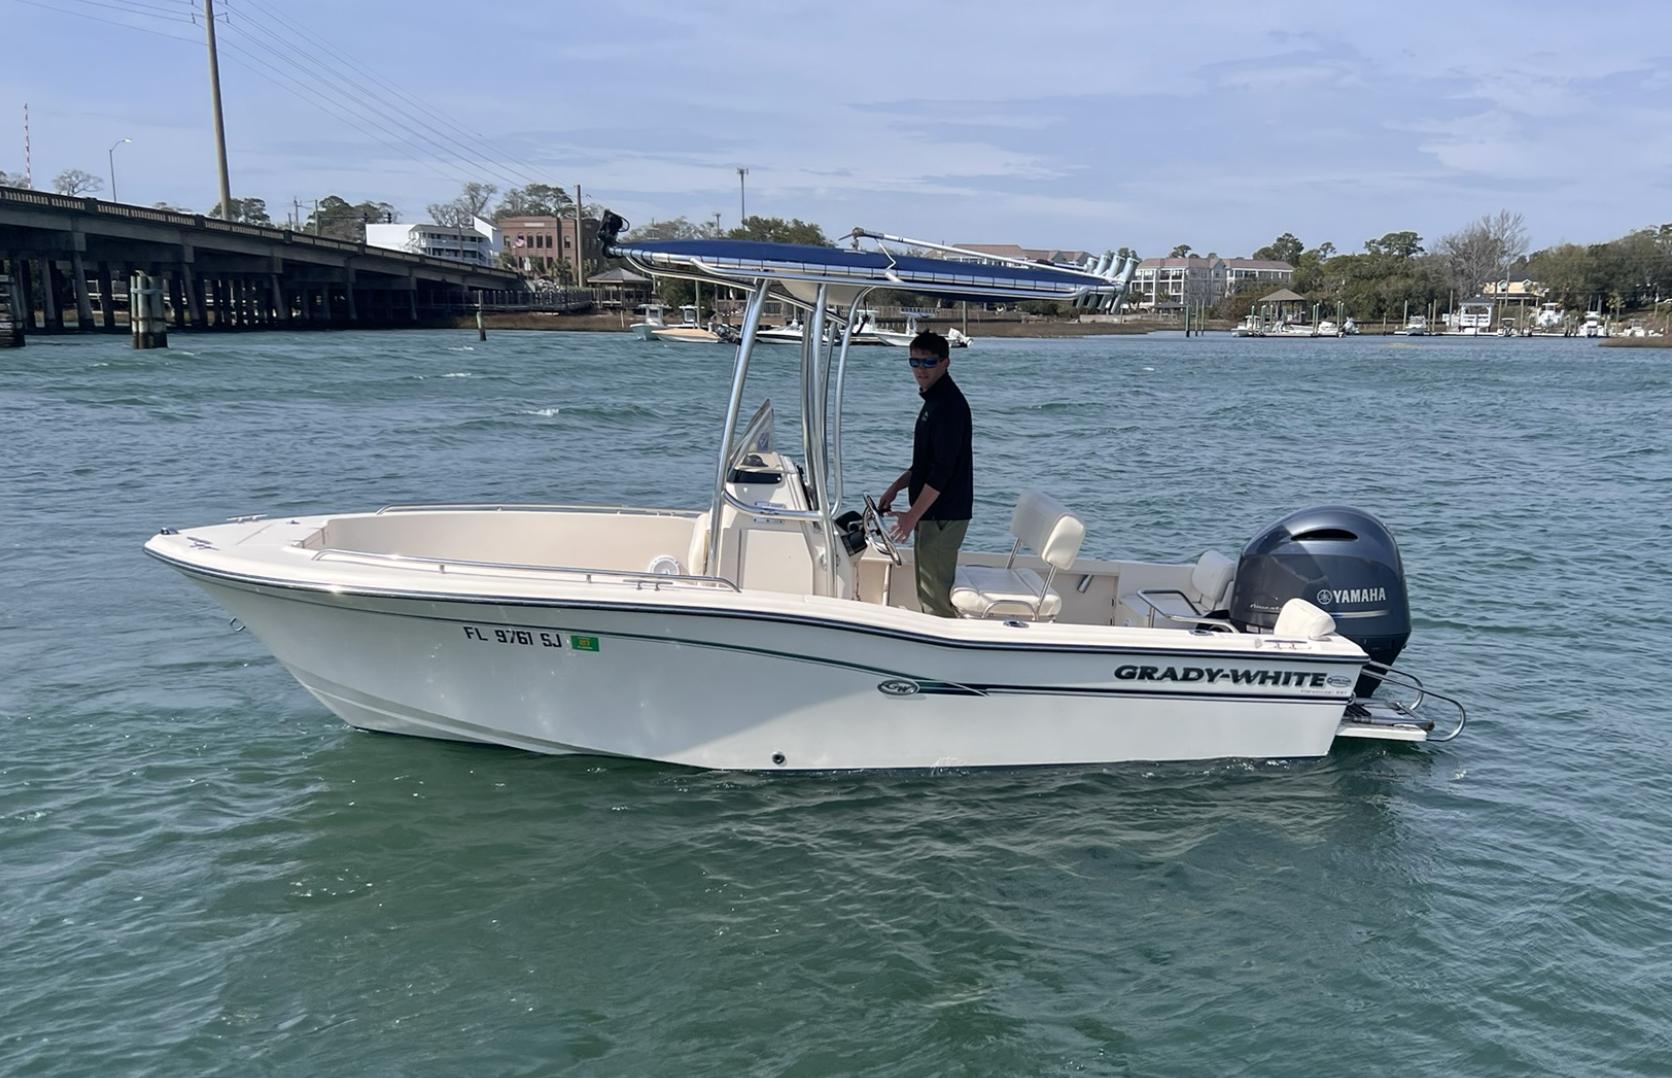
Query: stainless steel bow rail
{"points": [[466, 567]]}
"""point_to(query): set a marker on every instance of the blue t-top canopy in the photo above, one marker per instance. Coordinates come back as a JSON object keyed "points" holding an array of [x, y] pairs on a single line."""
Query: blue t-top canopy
{"points": [[738, 262]]}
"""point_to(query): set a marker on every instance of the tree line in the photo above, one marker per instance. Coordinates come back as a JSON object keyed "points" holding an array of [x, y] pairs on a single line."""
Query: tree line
{"points": [[1396, 272]]}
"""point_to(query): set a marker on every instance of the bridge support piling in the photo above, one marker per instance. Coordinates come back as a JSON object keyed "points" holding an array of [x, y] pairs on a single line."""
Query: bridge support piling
{"points": [[51, 316], [194, 296], [176, 306], [107, 298], [83, 302], [281, 302], [24, 292], [325, 304]]}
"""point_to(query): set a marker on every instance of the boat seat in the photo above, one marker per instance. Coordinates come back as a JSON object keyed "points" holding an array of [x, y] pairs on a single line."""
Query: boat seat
{"points": [[1044, 526], [1208, 590]]}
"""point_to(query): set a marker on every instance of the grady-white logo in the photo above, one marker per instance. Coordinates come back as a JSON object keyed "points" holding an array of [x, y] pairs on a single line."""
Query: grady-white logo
{"points": [[1352, 596], [1213, 675], [897, 687]]}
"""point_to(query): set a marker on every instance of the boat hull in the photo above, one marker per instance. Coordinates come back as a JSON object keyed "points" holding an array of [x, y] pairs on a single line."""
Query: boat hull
{"points": [[728, 691]]}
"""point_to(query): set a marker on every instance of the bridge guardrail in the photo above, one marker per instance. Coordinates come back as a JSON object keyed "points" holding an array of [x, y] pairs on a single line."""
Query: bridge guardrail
{"points": [[29, 197]]}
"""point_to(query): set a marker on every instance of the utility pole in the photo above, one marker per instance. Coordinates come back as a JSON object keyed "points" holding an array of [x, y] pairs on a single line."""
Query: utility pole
{"points": [[580, 261], [716, 222], [742, 203], [215, 101]]}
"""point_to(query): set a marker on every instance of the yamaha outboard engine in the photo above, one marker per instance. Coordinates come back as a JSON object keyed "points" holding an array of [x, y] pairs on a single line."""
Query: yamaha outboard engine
{"points": [[1341, 560]]}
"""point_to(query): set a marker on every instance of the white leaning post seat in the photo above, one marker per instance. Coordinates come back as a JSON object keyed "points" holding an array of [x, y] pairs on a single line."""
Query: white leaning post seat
{"points": [[1044, 526], [1210, 584]]}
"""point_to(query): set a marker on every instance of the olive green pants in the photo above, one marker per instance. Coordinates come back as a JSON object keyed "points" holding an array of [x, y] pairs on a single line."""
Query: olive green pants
{"points": [[936, 554]]}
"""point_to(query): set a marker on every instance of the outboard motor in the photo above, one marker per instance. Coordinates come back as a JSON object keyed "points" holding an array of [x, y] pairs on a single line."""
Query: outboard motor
{"points": [[1343, 561]]}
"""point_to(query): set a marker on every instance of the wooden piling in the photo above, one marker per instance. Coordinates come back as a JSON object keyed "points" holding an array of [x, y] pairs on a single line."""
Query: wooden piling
{"points": [[11, 316], [145, 311]]}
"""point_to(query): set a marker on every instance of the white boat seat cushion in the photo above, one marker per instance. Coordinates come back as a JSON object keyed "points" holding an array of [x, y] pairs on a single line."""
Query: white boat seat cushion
{"points": [[979, 591], [1211, 578], [1044, 526]]}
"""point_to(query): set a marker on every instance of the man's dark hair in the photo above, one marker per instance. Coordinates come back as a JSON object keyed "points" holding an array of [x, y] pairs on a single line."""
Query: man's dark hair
{"points": [[933, 343]]}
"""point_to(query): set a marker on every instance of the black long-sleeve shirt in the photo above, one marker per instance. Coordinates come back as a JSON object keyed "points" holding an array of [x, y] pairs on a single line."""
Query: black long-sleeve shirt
{"points": [[942, 454]]}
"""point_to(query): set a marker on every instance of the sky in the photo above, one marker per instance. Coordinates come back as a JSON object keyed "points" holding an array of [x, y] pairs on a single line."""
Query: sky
{"points": [[1087, 126]]}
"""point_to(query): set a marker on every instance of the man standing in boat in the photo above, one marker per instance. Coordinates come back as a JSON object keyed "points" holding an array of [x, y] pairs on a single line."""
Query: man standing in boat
{"points": [[940, 483]]}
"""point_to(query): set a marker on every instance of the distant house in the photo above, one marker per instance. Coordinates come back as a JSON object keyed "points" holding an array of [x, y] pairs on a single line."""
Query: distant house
{"points": [[1025, 254], [1262, 271], [478, 245]]}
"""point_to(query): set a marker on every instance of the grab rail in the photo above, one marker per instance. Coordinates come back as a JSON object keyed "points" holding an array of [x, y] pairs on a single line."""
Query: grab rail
{"points": [[504, 507], [1388, 675], [441, 565], [1143, 595]]}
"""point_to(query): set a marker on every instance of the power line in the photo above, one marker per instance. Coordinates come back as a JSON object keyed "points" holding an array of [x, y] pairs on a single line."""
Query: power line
{"points": [[318, 100], [57, 10], [448, 146], [390, 87], [288, 55]]}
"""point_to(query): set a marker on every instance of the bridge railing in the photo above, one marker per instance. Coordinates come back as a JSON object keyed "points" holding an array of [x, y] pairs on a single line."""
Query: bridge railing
{"points": [[27, 197]]}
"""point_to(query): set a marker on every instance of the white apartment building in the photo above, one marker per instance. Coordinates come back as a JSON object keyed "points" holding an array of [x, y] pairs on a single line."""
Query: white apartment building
{"points": [[1168, 284], [1163, 284], [478, 245], [1262, 271]]}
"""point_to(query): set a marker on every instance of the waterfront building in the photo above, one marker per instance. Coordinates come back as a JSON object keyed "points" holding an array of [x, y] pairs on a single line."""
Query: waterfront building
{"points": [[620, 287], [1169, 284], [478, 245], [1026, 254], [1264, 271], [545, 245]]}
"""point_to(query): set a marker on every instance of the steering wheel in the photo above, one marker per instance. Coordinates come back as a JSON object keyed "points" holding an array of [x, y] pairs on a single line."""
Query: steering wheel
{"points": [[876, 532]]}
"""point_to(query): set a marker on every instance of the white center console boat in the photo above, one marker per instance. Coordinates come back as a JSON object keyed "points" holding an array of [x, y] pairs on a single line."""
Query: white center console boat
{"points": [[777, 627]]}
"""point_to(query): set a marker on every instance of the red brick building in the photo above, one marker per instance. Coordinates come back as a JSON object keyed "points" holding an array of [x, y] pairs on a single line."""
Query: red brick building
{"points": [[545, 246]]}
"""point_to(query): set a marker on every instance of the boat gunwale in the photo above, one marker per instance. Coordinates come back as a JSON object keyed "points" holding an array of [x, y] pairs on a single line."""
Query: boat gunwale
{"points": [[731, 613]]}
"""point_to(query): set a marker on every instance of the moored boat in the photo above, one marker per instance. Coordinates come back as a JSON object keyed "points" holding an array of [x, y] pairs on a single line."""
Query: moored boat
{"points": [[776, 627]]}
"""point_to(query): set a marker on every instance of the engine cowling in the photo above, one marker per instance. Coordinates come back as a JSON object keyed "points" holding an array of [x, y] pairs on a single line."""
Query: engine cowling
{"points": [[1340, 559]]}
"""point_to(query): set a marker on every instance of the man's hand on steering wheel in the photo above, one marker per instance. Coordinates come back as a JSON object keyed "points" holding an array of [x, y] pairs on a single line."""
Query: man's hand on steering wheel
{"points": [[877, 531]]}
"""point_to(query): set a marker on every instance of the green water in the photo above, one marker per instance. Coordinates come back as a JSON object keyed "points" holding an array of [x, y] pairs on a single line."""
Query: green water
{"points": [[203, 872]]}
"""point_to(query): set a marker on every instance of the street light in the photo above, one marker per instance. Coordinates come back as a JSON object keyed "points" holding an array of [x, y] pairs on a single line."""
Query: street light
{"points": [[112, 157], [742, 205]]}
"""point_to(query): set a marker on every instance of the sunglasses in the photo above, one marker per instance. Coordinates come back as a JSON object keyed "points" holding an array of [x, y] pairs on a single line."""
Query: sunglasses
{"points": [[932, 361]]}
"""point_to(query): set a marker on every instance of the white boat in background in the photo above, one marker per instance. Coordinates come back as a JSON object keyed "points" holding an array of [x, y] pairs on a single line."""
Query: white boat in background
{"points": [[1250, 326], [1415, 326], [1327, 328], [1473, 318], [777, 627], [789, 333], [654, 319], [1550, 321], [690, 331], [1595, 325], [1349, 328], [954, 338]]}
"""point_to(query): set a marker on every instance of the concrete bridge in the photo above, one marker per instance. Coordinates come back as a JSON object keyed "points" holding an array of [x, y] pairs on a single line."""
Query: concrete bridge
{"points": [[65, 254]]}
